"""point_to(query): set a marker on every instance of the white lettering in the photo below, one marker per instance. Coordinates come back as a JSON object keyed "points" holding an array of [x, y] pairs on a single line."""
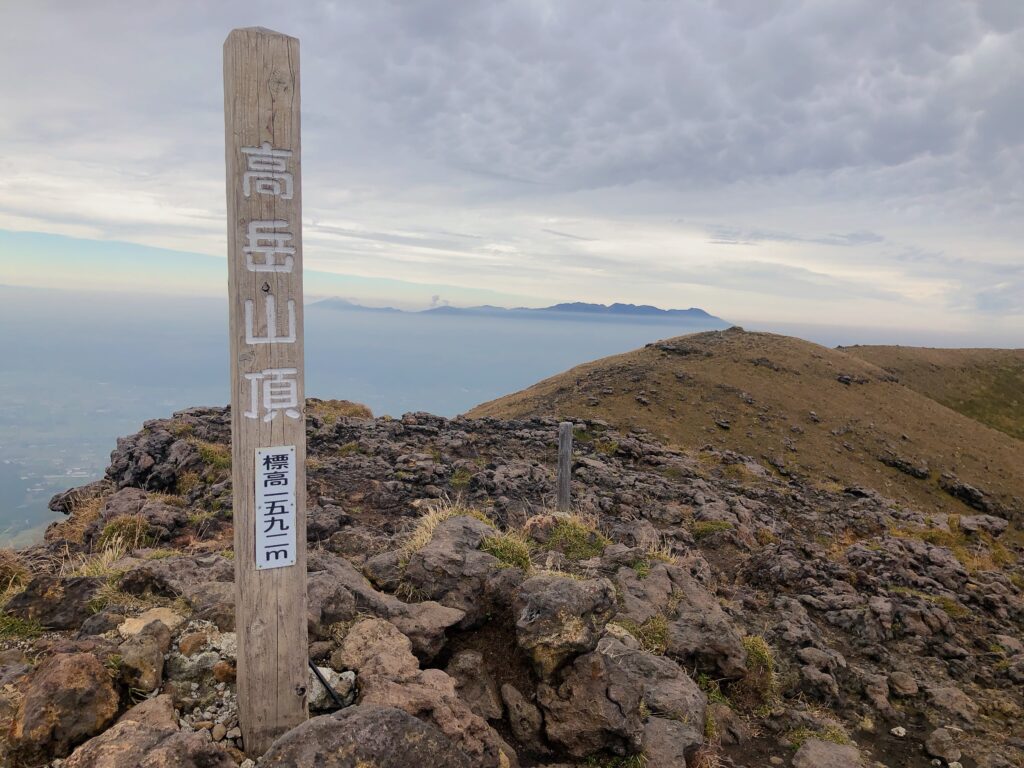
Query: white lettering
{"points": [[268, 171], [271, 314], [268, 245], [279, 390]]}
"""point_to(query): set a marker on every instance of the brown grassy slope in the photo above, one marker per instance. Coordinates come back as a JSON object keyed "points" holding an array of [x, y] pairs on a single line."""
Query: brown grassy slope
{"points": [[780, 399], [985, 384]]}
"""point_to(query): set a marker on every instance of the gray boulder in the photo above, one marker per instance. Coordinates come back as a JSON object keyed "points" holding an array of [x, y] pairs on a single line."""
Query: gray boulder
{"points": [[596, 706], [382, 737], [475, 684], [525, 719], [54, 602], [131, 743], [701, 634], [816, 753], [558, 618], [452, 570]]}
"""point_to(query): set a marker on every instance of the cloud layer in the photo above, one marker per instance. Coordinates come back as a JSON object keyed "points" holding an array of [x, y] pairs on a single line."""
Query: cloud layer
{"points": [[846, 161]]}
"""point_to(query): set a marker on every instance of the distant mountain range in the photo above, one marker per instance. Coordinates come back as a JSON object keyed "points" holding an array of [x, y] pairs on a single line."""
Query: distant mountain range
{"points": [[573, 310]]}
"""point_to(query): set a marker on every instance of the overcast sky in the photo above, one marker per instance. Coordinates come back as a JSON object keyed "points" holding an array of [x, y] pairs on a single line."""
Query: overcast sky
{"points": [[831, 161]]}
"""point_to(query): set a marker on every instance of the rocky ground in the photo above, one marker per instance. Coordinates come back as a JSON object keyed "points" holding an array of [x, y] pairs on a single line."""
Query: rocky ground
{"points": [[695, 609]]}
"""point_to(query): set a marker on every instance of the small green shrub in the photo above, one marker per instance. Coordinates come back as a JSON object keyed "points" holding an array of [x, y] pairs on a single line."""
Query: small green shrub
{"points": [[13, 628], [460, 478], [713, 690], [187, 482], [759, 690], [832, 732], [703, 528], [200, 516], [652, 634], [180, 429], [576, 539], [214, 455], [511, 548], [642, 566]]}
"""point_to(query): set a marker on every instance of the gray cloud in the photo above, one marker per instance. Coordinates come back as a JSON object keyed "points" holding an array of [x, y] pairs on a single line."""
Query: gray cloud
{"points": [[836, 137]]}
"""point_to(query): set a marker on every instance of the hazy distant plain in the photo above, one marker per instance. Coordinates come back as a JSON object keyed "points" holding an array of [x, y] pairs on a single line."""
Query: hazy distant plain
{"points": [[83, 369]]}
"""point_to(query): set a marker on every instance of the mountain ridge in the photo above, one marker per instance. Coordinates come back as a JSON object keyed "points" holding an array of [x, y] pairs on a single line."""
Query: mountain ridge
{"points": [[579, 309], [804, 409]]}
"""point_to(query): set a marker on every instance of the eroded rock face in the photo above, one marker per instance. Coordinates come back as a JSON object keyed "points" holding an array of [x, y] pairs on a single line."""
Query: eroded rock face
{"points": [[452, 570], [388, 675], [425, 623], [475, 685], [558, 618], [142, 655], [131, 743], [595, 706], [524, 719], [861, 607], [66, 700], [54, 602], [366, 735], [702, 634]]}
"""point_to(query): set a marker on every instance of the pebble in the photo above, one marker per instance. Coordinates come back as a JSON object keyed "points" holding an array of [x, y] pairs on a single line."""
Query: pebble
{"points": [[899, 731], [774, 760], [219, 731]]}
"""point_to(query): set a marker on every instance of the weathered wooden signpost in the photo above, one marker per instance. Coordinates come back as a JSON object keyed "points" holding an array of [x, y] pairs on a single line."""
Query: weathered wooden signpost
{"points": [[564, 466], [264, 211]]}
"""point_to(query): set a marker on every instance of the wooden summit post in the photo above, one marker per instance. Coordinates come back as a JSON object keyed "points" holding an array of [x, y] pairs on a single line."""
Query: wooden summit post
{"points": [[564, 466], [268, 435]]}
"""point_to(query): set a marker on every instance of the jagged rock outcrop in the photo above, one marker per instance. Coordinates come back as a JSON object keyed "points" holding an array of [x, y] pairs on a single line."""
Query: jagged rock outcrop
{"points": [[694, 606]]}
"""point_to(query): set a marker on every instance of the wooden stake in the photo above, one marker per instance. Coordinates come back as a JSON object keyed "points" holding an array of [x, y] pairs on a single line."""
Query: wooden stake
{"points": [[564, 465], [264, 213]]}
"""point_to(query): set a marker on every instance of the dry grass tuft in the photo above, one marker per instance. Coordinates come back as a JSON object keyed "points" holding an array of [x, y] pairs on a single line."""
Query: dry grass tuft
{"points": [[976, 552], [424, 531], [82, 516], [14, 574], [332, 410], [131, 531]]}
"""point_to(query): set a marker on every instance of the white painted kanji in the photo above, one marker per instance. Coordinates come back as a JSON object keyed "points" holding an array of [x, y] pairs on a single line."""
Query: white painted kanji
{"points": [[272, 336], [268, 249], [273, 391], [267, 172]]}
